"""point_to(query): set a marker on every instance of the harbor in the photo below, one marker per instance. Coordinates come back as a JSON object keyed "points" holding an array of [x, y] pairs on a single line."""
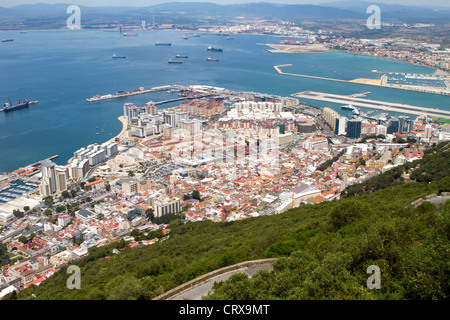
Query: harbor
{"points": [[384, 81], [366, 103]]}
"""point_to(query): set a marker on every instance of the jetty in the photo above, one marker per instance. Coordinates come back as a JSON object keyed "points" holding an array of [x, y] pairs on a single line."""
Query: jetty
{"points": [[122, 94]]}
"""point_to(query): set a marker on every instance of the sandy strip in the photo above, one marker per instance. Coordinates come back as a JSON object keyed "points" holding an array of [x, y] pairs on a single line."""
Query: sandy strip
{"points": [[289, 48], [124, 129]]}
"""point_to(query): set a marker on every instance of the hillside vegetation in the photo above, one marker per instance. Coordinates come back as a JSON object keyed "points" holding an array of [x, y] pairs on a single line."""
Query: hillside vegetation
{"points": [[324, 249]]}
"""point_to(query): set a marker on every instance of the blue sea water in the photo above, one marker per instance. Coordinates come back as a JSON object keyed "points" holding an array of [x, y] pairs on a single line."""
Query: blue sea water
{"points": [[62, 68]]}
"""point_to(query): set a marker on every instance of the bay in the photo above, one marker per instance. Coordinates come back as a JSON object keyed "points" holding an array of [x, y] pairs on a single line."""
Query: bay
{"points": [[61, 68]]}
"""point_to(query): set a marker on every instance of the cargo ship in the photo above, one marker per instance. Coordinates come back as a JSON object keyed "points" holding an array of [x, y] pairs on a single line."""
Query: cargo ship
{"points": [[180, 56], [214, 49], [175, 61], [9, 107], [7, 40], [163, 44], [211, 59]]}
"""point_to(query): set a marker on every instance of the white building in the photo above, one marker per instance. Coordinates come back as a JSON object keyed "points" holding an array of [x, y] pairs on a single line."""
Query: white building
{"points": [[315, 144]]}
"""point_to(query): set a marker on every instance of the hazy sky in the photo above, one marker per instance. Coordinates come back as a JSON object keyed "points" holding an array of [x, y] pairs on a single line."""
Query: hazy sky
{"points": [[10, 3]]}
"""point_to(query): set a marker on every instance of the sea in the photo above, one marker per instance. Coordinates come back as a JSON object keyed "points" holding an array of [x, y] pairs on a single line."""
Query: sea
{"points": [[62, 68]]}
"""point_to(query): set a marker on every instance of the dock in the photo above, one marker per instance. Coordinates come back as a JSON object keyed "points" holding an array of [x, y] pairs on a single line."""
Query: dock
{"points": [[374, 104], [122, 94]]}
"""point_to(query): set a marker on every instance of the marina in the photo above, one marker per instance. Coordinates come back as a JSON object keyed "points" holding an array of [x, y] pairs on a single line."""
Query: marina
{"points": [[366, 103], [443, 88], [16, 189]]}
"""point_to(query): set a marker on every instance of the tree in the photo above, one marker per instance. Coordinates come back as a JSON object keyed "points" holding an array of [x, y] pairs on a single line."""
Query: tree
{"points": [[60, 209], [108, 187], [18, 214], [26, 208], [48, 201], [23, 239], [196, 195], [130, 173], [149, 214], [65, 194]]}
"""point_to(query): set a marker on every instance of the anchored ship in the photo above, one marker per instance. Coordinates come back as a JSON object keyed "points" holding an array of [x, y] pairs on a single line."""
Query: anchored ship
{"points": [[211, 59], [118, 57], [10, 107], [180, 56], [175, 61], [7, 40], [214, 49]]}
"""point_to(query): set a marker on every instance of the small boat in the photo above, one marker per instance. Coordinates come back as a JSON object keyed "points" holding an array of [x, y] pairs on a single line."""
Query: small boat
{"points": [[211, 59], [130, 34], [163, 44], [180, 56], [175, 61], [230, 38], [185, 38], [118, 57], [196, 35], [354, 109]]}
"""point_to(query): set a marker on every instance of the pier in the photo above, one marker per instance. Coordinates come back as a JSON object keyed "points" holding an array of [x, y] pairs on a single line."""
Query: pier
{"points": [[366, 103], [277, 68], [141, 90]]}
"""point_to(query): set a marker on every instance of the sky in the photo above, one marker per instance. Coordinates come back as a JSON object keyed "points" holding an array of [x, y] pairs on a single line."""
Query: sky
{"points": [[138, 3]]}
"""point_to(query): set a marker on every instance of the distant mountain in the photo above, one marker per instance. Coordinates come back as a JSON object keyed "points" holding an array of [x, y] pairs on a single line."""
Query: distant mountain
{"points": [[54, 15], [396, 11]]}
